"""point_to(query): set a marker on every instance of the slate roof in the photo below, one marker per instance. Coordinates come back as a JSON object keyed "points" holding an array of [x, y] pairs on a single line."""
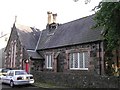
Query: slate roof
{"points": [[28, 36], [75, 32], [34, 55]]}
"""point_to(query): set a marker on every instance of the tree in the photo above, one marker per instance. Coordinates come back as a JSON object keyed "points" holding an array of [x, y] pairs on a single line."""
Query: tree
{"points": [[108, 17], [86, 1]]}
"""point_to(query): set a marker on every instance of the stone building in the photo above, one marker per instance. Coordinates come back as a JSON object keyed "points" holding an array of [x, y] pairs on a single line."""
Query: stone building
{"points": [[3, 40], [63, 53], [22, 42], [72, 47]]}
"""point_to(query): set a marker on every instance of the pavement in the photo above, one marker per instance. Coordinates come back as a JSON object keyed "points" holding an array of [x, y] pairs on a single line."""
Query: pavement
{"points": [[36, 85], [6, 86]]}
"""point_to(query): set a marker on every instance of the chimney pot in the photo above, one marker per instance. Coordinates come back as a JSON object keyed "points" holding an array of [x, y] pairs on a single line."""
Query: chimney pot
{"points": [[54, 18], [49, 12], [50, 17]]}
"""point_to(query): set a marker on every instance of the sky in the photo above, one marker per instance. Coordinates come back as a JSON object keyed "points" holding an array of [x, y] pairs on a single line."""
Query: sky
{"points": [[33, 13]]}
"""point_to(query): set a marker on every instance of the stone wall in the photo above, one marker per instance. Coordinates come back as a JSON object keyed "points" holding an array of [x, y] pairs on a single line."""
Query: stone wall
{"points": [[77, 80], [20, 53], [61, 58]]}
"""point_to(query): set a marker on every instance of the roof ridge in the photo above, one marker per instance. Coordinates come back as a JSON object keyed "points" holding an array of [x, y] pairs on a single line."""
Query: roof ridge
{"points": [[22, 25], [78, 19], [38, 41]]}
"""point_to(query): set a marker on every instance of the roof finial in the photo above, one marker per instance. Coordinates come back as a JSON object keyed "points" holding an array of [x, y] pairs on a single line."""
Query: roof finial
{"points": [[15, 19]]}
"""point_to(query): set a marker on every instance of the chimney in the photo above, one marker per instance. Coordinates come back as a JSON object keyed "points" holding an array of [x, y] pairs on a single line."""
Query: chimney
{"points": [[54, 18], [50, 17]]}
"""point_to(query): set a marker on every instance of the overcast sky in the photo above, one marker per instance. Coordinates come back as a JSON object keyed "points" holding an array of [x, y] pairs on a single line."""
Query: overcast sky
{"points": [[34, 12]]}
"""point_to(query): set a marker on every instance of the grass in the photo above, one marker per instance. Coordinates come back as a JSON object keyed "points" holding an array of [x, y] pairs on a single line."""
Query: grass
{"points": [[46, 85]]}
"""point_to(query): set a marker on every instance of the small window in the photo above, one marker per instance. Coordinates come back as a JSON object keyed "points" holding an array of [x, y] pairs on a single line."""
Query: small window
{"points": [[49, 61], [79, 61], [11, 73]]}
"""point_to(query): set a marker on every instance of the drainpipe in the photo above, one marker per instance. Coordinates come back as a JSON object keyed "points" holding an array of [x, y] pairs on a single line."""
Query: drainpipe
{"points": [[100, 57]]}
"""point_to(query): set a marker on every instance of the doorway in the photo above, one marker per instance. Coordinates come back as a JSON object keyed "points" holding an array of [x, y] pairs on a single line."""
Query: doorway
{"points": [[60, 62]]}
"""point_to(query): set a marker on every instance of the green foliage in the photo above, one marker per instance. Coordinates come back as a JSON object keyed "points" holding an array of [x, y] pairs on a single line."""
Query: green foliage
{"points": [[108, 17]]}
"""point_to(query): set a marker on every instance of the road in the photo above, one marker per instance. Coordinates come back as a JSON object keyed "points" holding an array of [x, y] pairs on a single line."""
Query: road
{"points": [[4, 86]]}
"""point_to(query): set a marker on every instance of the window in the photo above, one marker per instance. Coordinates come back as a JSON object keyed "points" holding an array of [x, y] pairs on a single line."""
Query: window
{"points": [[13, 53], [79, 60], [20, 73], [49, 61], [11, 59], [4, 70], [11, 73]]}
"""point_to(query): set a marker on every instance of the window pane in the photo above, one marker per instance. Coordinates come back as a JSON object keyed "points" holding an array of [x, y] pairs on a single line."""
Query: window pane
{"points": [[20, 73], [46, 60], [50, 61], [81, 60], [76, 60], [86, 59], [71, 60]]}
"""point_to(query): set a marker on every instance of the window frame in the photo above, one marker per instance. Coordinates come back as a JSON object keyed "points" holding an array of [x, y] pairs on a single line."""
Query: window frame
{"points": [[78, 61], [49, 64], [11, 73]]}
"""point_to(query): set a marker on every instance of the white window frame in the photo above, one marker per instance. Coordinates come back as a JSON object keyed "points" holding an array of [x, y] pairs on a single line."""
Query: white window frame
{"points": [[49, 61], [78, 57]]}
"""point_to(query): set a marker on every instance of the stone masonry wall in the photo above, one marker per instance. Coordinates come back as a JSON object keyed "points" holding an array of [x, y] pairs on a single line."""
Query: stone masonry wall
{"points": [[95, 54], [77, 80], [20, 53]]}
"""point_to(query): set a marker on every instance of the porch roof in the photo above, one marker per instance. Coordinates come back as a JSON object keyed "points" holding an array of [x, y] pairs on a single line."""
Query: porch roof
{"points": [[35, 55]]}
